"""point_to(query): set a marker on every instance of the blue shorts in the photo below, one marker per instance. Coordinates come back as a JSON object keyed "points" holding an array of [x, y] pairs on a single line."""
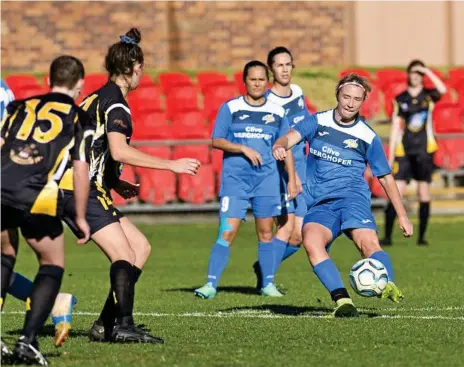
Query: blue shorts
{"points": [[340, 215], [300, 207], [262, 206]]}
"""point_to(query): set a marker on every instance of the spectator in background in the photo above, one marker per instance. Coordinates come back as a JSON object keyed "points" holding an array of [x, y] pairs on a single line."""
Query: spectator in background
{"points": [[6, 96], [412, 146]]}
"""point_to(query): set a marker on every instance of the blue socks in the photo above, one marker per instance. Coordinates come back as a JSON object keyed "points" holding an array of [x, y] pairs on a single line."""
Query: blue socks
{"points": [[384, 258], [217, 263], [20, 287], [290, 250], [329, 275], [269, 257]]}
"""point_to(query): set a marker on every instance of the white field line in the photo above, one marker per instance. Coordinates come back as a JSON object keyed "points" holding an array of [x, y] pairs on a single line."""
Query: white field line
{"points": [[269, 315]]}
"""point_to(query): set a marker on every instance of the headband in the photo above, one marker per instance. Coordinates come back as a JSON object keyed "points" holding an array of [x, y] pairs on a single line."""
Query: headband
{"points": [[352, 83], [127, 39]]}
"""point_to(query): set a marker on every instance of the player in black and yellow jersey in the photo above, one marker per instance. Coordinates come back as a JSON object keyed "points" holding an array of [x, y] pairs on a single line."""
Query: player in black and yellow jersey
{"points": [[38, 136], [412, 146], [124, 245]]}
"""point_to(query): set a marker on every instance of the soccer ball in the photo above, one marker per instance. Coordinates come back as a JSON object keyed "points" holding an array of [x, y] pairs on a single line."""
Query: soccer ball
{"points": [[368, 277]]}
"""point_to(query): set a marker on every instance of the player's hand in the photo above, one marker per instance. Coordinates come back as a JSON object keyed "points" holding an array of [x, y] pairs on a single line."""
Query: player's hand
{"points": [[292, 189], [420, 69], [405, 226], [279, 152], [252, 155], [85, 230], [189, 166], [299, 185], [127, 189]]}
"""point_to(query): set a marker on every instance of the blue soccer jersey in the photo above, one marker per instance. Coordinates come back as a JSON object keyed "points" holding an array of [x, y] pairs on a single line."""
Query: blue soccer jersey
{"points": [[257, 127], [338, 157], [6, 96], [296, 112]]}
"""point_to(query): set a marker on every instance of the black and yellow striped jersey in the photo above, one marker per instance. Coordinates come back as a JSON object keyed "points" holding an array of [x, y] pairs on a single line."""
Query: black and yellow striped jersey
{"points": [[418, 136], [39, 135], [109, 112]]}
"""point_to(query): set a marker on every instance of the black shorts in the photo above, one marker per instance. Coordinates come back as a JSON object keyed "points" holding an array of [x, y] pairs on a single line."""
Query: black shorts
{"points": [[418, 167], [100, 211], [33, 226]]}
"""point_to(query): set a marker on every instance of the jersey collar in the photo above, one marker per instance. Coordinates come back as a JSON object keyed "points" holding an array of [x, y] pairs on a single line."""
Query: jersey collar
{"points": [[357, 119]]}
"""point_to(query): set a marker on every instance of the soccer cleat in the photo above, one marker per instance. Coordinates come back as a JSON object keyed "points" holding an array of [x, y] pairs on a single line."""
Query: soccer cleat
{"points": [[392, 292], [97, 333], [27, 352], [7, 354], [62, 316], [259, 275], [133, 334], [385, 242], [206, 292], [345, 308], [270, 291]]}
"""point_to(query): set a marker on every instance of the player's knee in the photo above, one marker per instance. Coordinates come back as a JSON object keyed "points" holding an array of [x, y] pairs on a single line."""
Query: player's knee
{"points": [[225, 233], [368, 244], [296, 238], [142, 248], [265, 234]]}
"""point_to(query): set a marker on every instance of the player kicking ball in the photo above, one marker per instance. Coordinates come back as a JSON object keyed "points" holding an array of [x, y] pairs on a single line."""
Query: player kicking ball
{"points": [[338, 196]]}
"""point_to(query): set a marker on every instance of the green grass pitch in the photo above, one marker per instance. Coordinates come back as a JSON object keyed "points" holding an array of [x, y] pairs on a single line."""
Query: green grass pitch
{"points": [[240, 328]]}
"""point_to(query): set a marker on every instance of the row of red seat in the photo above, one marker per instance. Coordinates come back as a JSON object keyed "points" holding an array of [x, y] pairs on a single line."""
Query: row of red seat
{"points": [[161, 187]]}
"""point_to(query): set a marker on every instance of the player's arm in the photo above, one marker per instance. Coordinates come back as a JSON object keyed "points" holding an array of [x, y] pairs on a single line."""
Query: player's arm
{"points": [[380, 168], [395, 133], [289, 162], [437, 82], [118, 122]]}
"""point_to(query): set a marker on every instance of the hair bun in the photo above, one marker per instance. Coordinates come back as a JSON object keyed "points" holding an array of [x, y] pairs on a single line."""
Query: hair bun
{"points": [[135, 34]]}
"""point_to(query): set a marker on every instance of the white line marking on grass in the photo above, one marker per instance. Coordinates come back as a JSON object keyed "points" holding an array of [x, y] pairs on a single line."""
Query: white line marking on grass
{"points": [[260, 315]]}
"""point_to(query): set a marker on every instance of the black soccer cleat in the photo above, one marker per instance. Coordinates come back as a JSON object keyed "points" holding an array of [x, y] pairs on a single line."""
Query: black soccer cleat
{"points": [[259, 276], [422, 242], [97, 333], [133, 334], [7, 354], [27, 352], [385, 242]]}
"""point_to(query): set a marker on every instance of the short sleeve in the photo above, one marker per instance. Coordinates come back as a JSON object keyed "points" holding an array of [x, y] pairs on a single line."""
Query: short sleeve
{"points": [[83, 135], [284, 127], [223, 122], [377, 159], [434, 94], [118, 119], [308, 127]]}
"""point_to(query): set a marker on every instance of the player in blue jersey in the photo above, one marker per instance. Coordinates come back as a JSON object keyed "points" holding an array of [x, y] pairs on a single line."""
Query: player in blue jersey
{"points": [[20, 286], [245, 129], [338, 197], [291, 98], [6, 96]]}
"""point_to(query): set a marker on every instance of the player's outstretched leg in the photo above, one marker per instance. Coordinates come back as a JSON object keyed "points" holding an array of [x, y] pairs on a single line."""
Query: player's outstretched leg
{"points": [[228, 229]]}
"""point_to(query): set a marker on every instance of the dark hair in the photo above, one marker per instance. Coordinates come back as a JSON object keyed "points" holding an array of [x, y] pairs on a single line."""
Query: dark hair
{"points": [[123, 55], [355, 79], [253, 64], [66, 71], [414, 63], [277, 51]]}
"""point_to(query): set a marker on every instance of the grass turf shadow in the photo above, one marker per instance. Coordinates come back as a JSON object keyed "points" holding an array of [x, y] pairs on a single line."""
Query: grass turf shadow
{"points": [[228, 289]]}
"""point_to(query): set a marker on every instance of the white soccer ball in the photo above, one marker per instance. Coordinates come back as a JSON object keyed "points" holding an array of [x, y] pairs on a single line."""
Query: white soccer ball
{"points": [[368, 277]]}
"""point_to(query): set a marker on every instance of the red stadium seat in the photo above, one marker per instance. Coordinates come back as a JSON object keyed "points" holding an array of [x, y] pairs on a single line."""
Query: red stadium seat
{"points": [[156, 187], [453, 153], [360, 72], [456, 77], [207, 78], [189, 125], [145, 98], [168, 81], [238, 78], [128, 174], [439, 157], [386, 76], [29, 91], [376, 188], [200, 152], [160, 151], [394, 89], [92, 82], [151, 125], [447, 118], [197, 189], [146, 81], [370, 107], [20, 81], [447, 97], [181, 99], [216, 160], [311, 108], [215, 96]]}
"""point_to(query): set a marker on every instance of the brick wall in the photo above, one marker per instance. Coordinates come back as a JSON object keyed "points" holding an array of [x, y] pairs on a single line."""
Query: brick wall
{"points": [[190, 35]]}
